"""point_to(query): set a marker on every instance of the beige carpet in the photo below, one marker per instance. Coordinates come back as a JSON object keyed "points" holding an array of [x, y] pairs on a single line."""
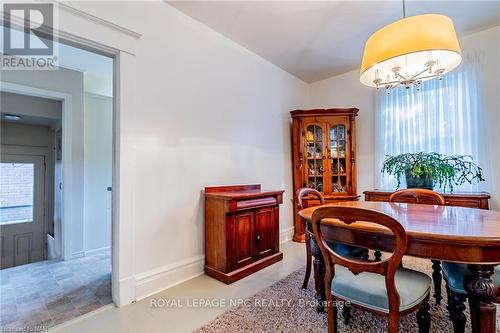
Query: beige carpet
{"points": [[269, 311]]}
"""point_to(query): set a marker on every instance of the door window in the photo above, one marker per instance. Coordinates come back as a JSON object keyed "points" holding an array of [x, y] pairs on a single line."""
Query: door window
{"points": [[16, 192]]}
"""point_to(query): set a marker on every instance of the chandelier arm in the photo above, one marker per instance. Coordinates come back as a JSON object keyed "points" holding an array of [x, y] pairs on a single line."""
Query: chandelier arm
{"points": [[401, 76], [396, 85], [416, 75], [388, 82]]}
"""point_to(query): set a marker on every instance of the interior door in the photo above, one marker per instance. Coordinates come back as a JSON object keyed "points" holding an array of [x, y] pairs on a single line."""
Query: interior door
{"points": [[22, 195]]}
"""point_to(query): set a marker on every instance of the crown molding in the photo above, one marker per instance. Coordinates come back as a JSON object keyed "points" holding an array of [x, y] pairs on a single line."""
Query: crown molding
{"points": [[90, 17]]}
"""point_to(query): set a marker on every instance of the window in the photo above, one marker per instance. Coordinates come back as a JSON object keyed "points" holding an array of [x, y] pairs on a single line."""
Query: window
{"points": [[16, 192], [444, 117]]}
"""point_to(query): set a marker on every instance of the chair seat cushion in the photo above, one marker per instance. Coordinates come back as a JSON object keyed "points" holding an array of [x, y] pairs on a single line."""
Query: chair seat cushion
{"points": [[344, 249], [369, 290], [454, 274], [347, 250]]}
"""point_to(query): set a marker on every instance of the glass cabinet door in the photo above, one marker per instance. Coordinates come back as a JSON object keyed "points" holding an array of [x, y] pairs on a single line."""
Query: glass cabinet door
{"points": [[314, 156], [338, 158]]}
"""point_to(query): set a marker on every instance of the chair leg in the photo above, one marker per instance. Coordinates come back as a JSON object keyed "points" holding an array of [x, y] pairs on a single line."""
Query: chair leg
{"points": [[437, 278], [331, 310], [456, 309], [308, 260], [393, 322], [424, 318], [346, 313], [378, 255], [365, 255], [448, 296]]}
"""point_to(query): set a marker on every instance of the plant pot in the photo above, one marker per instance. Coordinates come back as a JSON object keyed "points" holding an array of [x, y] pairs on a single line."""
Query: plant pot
{"points": [[423, 181]]}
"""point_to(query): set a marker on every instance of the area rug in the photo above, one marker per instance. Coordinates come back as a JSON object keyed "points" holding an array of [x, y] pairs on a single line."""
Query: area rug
{"points": [[284, 307]]}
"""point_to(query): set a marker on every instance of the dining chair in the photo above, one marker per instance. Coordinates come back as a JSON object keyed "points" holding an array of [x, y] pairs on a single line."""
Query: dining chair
{"points": [[454, 275], [380, 287], [422, 196], [418, 196], [341, 248]]}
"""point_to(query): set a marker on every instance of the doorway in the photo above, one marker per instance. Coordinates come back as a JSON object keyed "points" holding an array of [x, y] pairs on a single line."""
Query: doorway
{"points": [[51, 284]]}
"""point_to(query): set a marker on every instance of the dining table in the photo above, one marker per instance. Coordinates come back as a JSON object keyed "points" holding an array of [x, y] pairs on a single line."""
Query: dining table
{"points": [[439, 233]]}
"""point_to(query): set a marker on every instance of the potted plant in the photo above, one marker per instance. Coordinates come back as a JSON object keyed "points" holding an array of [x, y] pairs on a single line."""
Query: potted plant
{"points": [[422, 170]]}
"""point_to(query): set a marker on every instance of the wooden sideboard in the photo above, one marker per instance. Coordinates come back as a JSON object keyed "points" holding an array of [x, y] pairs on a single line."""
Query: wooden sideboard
{"points": [[472, 200], [241, 230]]}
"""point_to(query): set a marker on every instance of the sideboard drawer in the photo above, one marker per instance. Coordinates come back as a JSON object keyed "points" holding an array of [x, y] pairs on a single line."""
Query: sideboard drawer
{"points": [[256, 202]]}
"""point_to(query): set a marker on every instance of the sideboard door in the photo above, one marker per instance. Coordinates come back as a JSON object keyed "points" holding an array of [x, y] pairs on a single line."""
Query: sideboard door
{"points": [[264, 232], [243, 238]]}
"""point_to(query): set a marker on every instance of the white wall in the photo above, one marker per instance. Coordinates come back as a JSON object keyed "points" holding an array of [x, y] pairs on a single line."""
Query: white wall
{"points": [[345, 90], [98, 135], [196, 110]]}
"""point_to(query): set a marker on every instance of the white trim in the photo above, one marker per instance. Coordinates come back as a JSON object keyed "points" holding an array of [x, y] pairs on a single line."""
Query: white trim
{"points": [[76, 255], [286, 234], [156, 280], [98, 96], [95, 19], [98, 250], [67, 167]]}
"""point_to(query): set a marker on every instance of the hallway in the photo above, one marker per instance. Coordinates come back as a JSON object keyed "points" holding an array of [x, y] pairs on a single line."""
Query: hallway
{"points": [[48, 293]]}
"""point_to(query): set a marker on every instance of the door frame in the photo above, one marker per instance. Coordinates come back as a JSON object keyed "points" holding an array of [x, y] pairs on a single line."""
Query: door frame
{"points": [[124, 168], [67, 166]]}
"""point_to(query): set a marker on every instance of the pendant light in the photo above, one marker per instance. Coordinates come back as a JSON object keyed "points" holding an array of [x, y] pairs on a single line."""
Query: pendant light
{"points": [[409, 51]]}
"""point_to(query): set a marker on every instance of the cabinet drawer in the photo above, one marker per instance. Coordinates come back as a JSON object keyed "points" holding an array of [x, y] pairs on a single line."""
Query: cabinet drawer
{"points": [[256, 202]]}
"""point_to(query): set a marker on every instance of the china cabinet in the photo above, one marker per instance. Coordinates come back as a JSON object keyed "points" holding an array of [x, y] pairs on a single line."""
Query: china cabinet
{"points": [[324, 145]]}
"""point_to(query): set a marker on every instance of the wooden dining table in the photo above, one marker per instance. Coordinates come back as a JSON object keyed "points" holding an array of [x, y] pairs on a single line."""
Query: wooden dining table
{"points": [[457, 234]]}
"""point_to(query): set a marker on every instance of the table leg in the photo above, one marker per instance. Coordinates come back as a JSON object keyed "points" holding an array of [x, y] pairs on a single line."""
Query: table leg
{"points": [[319, 276], [482, 291], [437, 278]]}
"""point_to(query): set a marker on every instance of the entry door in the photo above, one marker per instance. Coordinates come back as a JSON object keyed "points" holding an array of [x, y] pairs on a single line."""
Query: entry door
{"points": [[22, 194]]}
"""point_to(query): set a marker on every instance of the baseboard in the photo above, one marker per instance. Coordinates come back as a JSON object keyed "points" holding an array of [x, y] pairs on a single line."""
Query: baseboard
{"points": [[286, 235], [154, 281], [98, 250], [78, 254]]}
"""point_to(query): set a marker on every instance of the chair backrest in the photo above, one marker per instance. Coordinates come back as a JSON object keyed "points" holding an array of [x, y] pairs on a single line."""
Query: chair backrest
{"points": [[417, 195], [351, 215], [303, 192]]}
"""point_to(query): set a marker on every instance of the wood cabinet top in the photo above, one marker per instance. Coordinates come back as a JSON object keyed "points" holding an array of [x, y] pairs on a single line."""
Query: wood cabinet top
{"points": [[484, 195], [325, 112], [239, 192]]}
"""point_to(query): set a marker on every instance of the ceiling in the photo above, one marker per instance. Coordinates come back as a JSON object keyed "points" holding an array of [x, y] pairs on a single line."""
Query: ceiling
{"points": [[32, 110], [316, 40]]}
